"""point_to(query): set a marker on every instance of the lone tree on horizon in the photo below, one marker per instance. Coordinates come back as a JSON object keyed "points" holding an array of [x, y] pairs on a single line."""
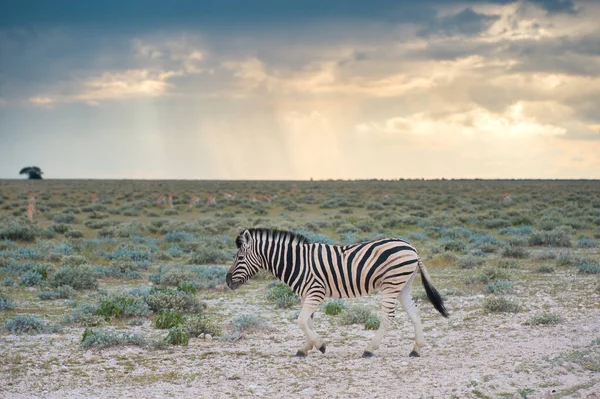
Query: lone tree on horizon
{"points": [[34, 172]]}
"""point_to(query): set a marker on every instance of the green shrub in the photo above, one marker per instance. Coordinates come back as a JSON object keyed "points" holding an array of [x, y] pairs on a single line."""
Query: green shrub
{"points": [[7, 282], [334, 307], [80, 278], [515, 252], [470, 262], [281, 294], [178, 336], [356, 314], [168, 299], [84, 316], [589, 268], [247, 322], [208, 254], [197, 325], [372, 323], [499, 304], [103, 339], [488, 275], [61, 228], [74, 260], [67, 218], [17, 230], [544, 319], [175, 275], [108, 309], [6, 302], [453, 245], [167, 319], [499, 287], [74, 234], [28, 324], [558, 237], [123, 305], [62, 292], [544, 269], [508, 264], [30, 279], [188, 287]]}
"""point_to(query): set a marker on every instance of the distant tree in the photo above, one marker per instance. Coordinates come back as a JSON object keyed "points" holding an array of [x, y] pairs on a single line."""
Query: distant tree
{"points": [[34, 172]]}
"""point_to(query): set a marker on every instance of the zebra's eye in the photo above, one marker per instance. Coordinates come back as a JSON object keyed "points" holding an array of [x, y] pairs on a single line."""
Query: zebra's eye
{"points": [[240, 258]]}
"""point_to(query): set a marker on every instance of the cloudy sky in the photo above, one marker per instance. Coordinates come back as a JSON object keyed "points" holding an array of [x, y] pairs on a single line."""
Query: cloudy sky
{"points": [[271, 89]]}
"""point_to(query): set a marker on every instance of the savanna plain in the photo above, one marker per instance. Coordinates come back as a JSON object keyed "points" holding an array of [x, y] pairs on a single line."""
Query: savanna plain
{"points": [[116, 289]]}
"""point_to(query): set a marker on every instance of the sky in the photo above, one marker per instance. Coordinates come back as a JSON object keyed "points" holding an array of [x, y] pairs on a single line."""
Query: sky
{"points": [[293, 90]]}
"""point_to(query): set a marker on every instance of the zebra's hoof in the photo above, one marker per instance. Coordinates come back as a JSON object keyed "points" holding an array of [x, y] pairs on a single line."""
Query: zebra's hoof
{"points": [[300, 354], [322, 348], [367, 354], [414, 354]]}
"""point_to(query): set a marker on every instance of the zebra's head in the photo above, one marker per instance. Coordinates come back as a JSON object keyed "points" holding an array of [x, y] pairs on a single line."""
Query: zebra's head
{"points": [[246, 264]]}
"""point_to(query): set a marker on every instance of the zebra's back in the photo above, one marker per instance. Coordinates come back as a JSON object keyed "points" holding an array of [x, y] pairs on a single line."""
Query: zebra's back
{"points": [[359, 269]]}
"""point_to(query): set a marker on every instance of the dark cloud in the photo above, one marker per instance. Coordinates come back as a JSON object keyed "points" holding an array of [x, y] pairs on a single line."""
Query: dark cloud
{"points": [[556, 6], [466, 22]]}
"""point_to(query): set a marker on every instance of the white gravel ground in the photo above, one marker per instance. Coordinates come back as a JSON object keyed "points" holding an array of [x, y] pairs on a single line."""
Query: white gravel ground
{"points": [[470, 355]]}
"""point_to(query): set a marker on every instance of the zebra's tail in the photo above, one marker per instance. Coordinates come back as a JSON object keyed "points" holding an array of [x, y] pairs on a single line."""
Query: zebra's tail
{"points": [[432, 293]]}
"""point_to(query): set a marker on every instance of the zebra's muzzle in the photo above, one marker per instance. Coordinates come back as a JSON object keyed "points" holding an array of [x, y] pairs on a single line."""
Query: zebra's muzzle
{"points": [[230, 282]]}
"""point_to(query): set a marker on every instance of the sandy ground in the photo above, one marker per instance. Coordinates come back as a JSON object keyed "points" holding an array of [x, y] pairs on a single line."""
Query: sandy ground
{"points": [[470, 355]]}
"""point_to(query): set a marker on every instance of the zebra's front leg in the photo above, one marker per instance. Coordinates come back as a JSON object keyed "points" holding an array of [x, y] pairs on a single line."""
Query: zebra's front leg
{"points": [[388, 309], [305, 323]]}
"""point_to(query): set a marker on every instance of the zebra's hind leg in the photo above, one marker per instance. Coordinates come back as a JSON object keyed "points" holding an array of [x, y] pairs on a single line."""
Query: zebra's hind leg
{"points": [[388, 309], [410, 307], [305, 322]]}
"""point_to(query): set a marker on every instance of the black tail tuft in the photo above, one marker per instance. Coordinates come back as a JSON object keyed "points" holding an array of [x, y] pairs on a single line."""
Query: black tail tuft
{"points": [[434, 296]]}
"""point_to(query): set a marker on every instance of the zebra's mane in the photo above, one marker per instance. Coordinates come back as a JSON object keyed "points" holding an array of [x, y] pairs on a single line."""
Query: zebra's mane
{"points": [[271, 234]]}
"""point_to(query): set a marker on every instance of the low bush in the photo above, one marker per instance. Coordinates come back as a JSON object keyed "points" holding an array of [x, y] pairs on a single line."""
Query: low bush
{"points": [[557, 237], [334, 307], [511, 251], [247, 322], [177, 335], [17, 230], [587, 242], [6, 303], [499, 304], [356, 314], [7, 282], [281, 294], [197, 325], [544, 269], [499, 287], [123, 305], [207, 254], [99, 339], [488, 275], [62, 292], [189, 287], [30, 279], [544, 319], [372, 323], [589, 268], [508, 264], [470, 262], [167, 319], [79, 277], [169, 299], [28, 324], [64, 218]]}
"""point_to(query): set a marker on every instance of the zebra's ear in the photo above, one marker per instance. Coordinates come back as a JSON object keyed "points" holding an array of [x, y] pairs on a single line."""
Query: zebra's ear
{"points": [[247, 236], [243, 239]]}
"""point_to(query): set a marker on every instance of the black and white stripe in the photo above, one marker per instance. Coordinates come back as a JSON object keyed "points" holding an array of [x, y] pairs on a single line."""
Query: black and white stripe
{"points": [[316, 271]]}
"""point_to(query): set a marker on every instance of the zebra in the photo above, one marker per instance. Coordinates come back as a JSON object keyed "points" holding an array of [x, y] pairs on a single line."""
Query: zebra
{"points": [[315, 271]]}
